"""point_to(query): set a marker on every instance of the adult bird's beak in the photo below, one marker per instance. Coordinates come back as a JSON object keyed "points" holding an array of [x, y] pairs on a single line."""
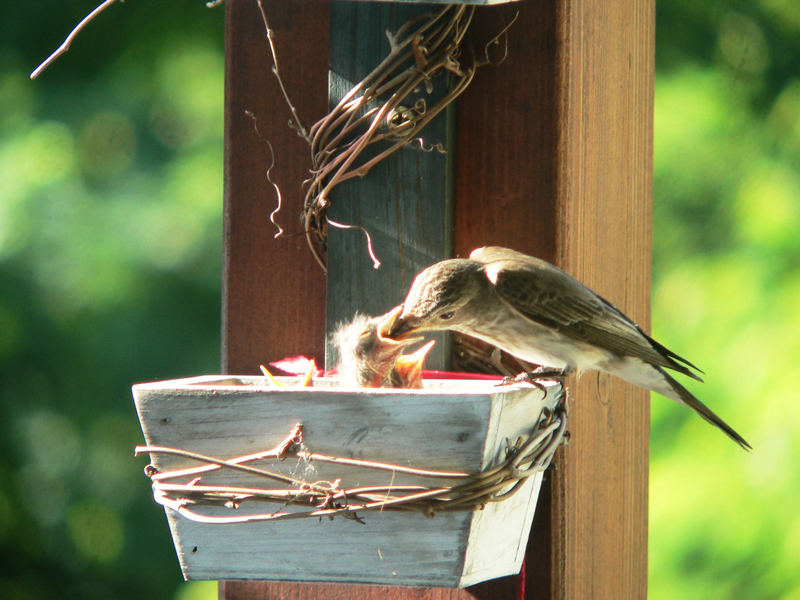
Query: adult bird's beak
{"points": [[403, 327], [409, 366], [390, 328]]}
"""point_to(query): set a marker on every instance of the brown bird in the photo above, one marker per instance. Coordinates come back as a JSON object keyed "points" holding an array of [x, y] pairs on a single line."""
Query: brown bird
{"points": [[368, 358], [539, 313]]}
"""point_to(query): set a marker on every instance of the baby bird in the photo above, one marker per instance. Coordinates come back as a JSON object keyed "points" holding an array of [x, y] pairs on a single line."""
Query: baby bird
{"points": [[369, 358]]}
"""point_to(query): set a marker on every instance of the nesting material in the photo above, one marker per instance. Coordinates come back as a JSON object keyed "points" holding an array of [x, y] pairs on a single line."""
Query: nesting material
{"points": [[433, 487]]}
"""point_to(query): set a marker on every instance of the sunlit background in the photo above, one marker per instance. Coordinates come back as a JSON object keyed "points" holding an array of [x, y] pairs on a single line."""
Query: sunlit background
{"points": [[110, 241], [723, 523]]}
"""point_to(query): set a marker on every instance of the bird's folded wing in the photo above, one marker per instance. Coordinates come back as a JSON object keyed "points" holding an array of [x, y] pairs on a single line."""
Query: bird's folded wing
{"points": [[549, 296]]}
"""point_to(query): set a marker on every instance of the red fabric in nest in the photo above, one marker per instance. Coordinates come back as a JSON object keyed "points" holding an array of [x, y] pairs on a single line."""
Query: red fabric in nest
{"points": [[299, 365]]}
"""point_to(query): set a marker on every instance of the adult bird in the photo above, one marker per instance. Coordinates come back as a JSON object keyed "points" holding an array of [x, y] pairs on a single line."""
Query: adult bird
{"points": [[539, 313]]}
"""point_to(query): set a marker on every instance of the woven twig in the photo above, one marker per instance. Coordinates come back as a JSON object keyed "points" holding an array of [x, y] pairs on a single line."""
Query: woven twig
{"points": [[390, 106], [523, 458]]}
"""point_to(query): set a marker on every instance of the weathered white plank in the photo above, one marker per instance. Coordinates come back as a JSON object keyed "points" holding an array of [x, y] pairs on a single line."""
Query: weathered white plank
{"points": [[450, 425]]}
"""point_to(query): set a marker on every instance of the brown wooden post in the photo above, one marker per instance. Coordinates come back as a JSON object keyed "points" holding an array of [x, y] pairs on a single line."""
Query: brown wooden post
{"points": [[554, 158], [563, 170], [264, 278]]}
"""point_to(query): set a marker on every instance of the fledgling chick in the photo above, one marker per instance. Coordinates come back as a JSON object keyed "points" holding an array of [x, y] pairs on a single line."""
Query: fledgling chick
{"points": [[369, 358], [407, 370]]}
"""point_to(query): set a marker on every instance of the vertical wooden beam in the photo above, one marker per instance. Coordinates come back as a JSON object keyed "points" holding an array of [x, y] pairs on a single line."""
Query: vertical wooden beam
{"points": [[605, 196], [553, 158], [563, 170]]}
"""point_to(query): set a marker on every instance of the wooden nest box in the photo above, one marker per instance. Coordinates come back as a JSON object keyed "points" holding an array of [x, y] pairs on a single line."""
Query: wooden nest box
{"points": [[429, 487]]}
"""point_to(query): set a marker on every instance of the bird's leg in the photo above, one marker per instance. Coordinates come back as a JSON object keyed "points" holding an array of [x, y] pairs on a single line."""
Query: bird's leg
{"points": [[538, 373]]}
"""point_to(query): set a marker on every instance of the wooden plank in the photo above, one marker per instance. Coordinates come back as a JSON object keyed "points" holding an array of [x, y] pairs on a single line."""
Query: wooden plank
{"points": [[402, 202], [264, 277], [606, 202], [566, 166]]}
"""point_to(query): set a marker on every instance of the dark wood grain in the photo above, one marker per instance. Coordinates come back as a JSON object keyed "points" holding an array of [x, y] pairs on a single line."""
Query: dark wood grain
{"points": [[264, 278], [500, 589], [402, 202], [565, 174]]}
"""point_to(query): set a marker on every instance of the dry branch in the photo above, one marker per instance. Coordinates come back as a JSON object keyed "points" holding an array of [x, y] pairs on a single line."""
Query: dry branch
{"points": [[72, 35], [64, 47]]}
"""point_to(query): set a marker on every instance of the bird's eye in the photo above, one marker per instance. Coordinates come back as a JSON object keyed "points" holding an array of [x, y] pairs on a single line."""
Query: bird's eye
{"points": [[447, 315]]}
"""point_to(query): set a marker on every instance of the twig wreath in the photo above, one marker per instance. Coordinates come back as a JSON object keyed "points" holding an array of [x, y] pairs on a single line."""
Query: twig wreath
{"points": [[302, 499], [387, 109]]}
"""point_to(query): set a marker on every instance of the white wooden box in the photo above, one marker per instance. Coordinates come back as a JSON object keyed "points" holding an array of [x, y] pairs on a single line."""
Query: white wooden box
{"points": [[453, 425]]}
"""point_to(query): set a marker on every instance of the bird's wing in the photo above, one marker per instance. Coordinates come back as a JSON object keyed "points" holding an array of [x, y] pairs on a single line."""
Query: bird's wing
{"points": [[549, 296]]}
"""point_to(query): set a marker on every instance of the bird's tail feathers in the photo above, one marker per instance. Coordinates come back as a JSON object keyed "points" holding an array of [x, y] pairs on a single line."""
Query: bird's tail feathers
{"points": [[677, 392], [679, 363], [653, 377]]}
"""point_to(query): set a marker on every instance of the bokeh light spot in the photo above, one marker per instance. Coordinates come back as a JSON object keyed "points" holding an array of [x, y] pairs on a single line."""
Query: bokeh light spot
{"points": [[197, 590], [96, 531], [51, 442], [16, 98], [742, 43], [107, 144], [44, 496], [37, 157], [768, 206]]}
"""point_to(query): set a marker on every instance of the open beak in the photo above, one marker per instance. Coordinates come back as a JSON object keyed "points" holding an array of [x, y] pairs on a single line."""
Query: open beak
{"points": [[390, 331], [409, 366]]}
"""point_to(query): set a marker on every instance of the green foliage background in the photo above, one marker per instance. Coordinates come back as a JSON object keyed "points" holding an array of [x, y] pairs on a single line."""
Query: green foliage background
{"points": [[110, 228], [110, 258], [723, 523]]}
